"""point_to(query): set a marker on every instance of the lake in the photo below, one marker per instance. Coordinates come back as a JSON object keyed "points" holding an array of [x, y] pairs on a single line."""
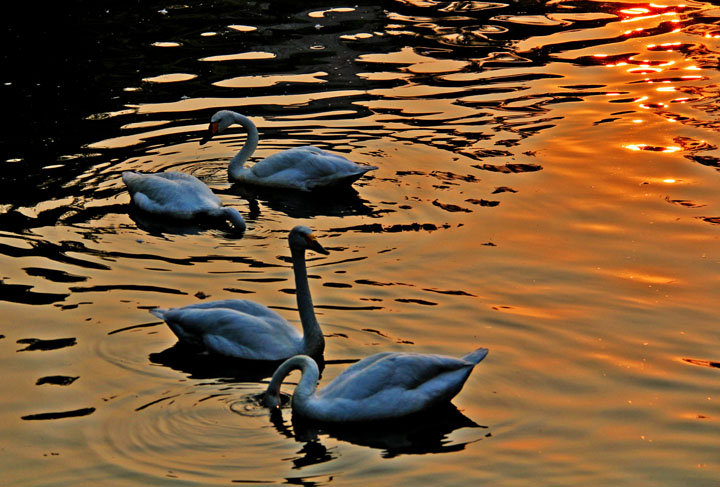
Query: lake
{"points": [[547, 187]]}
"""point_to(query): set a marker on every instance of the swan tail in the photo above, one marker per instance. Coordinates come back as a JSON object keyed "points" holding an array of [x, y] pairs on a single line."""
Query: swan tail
{"points": [[345, 180], [361, 170], [129, 178], [159, 312], [476, 356]]}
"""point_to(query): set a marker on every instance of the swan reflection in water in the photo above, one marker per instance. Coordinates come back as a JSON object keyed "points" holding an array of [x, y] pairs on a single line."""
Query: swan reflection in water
{"points": [[196, 363], [338, 202], [426, 432], [158, 226]]}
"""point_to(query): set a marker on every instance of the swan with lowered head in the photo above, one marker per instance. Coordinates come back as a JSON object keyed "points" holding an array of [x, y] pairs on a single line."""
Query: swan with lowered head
{"points": [[243, 329], [383, 386], [178, 196], [302, 168]]}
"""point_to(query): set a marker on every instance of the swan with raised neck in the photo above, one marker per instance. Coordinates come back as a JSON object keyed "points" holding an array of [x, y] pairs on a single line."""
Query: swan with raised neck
{"points": [[248, 330], [303, 168]]}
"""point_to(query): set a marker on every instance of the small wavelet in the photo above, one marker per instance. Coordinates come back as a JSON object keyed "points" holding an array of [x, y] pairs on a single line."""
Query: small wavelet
{"points": [[482, 202], [452, 208], [450, 292], [21, 293], [416, 301], [702, 363], [252, 405], [184, 430], [54, 275], [58, 380], [378, 228], [76, 413], [386, 335], [510, 168], [127, 287], [170, 78], [36, 344]]}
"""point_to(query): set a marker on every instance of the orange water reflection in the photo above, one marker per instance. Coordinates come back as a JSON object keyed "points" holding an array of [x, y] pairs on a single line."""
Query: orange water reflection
{"points": [[547, 187]]}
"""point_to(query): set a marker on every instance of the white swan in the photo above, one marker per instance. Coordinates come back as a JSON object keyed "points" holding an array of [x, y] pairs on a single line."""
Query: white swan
{"points": [[302, 168], [179, 196], [383, 386], [247, 330]]}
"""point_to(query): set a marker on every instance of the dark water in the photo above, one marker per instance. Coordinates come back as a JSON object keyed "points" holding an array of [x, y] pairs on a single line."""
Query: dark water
{"points": [[547, 188]]}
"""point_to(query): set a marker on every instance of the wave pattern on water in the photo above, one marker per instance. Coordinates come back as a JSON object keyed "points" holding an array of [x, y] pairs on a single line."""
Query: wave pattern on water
{"points": [[547, 187]]}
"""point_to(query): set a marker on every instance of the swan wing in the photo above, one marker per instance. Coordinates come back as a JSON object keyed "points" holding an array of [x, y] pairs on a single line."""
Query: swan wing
{"points": [[179, 176], [313, 162], [390, 385], [306, 168], [241, 306], [388, 370], [174, 193], [226, 330]]}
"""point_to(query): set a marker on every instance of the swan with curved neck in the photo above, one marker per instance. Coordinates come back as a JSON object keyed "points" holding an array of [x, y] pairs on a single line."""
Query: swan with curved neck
{"points": [[243, 329], [302, 168], [383, 386], [178, 196]]}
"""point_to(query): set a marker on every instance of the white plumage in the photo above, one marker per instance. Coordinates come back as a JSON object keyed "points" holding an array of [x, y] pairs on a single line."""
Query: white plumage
{"points": [[383, 386], [244, 329], [302, 168], [178, 196]]}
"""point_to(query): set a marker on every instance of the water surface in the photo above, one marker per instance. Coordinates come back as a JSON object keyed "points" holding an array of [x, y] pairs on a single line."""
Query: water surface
{"points": [[547, 188]]}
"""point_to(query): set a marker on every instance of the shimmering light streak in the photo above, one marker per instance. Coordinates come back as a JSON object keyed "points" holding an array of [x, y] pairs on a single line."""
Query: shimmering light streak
{"points": [[646, 147], [644, 69], [634, 11]]}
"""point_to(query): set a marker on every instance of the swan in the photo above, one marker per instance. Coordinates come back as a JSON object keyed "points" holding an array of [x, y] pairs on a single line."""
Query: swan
{"points": [[302, 168], [383, 386], [179, 196], [243, 329]]}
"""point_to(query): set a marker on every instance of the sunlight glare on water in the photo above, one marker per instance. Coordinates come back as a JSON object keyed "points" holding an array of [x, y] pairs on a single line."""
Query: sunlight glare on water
{"points": [[546, 188]]}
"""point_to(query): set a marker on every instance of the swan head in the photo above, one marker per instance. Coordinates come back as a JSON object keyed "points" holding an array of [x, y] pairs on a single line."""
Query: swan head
{"points": [[218, 124], [271, 401], [301, 237]]}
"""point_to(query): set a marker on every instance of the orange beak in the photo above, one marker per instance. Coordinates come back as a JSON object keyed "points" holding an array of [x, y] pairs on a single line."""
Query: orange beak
{"points": [[212, 130], [313, 244]]}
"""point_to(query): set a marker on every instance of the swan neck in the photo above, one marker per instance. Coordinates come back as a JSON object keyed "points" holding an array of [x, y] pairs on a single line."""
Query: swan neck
{"points": [[234, 216], [306, 386], [312, 334], [238, 162]]}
